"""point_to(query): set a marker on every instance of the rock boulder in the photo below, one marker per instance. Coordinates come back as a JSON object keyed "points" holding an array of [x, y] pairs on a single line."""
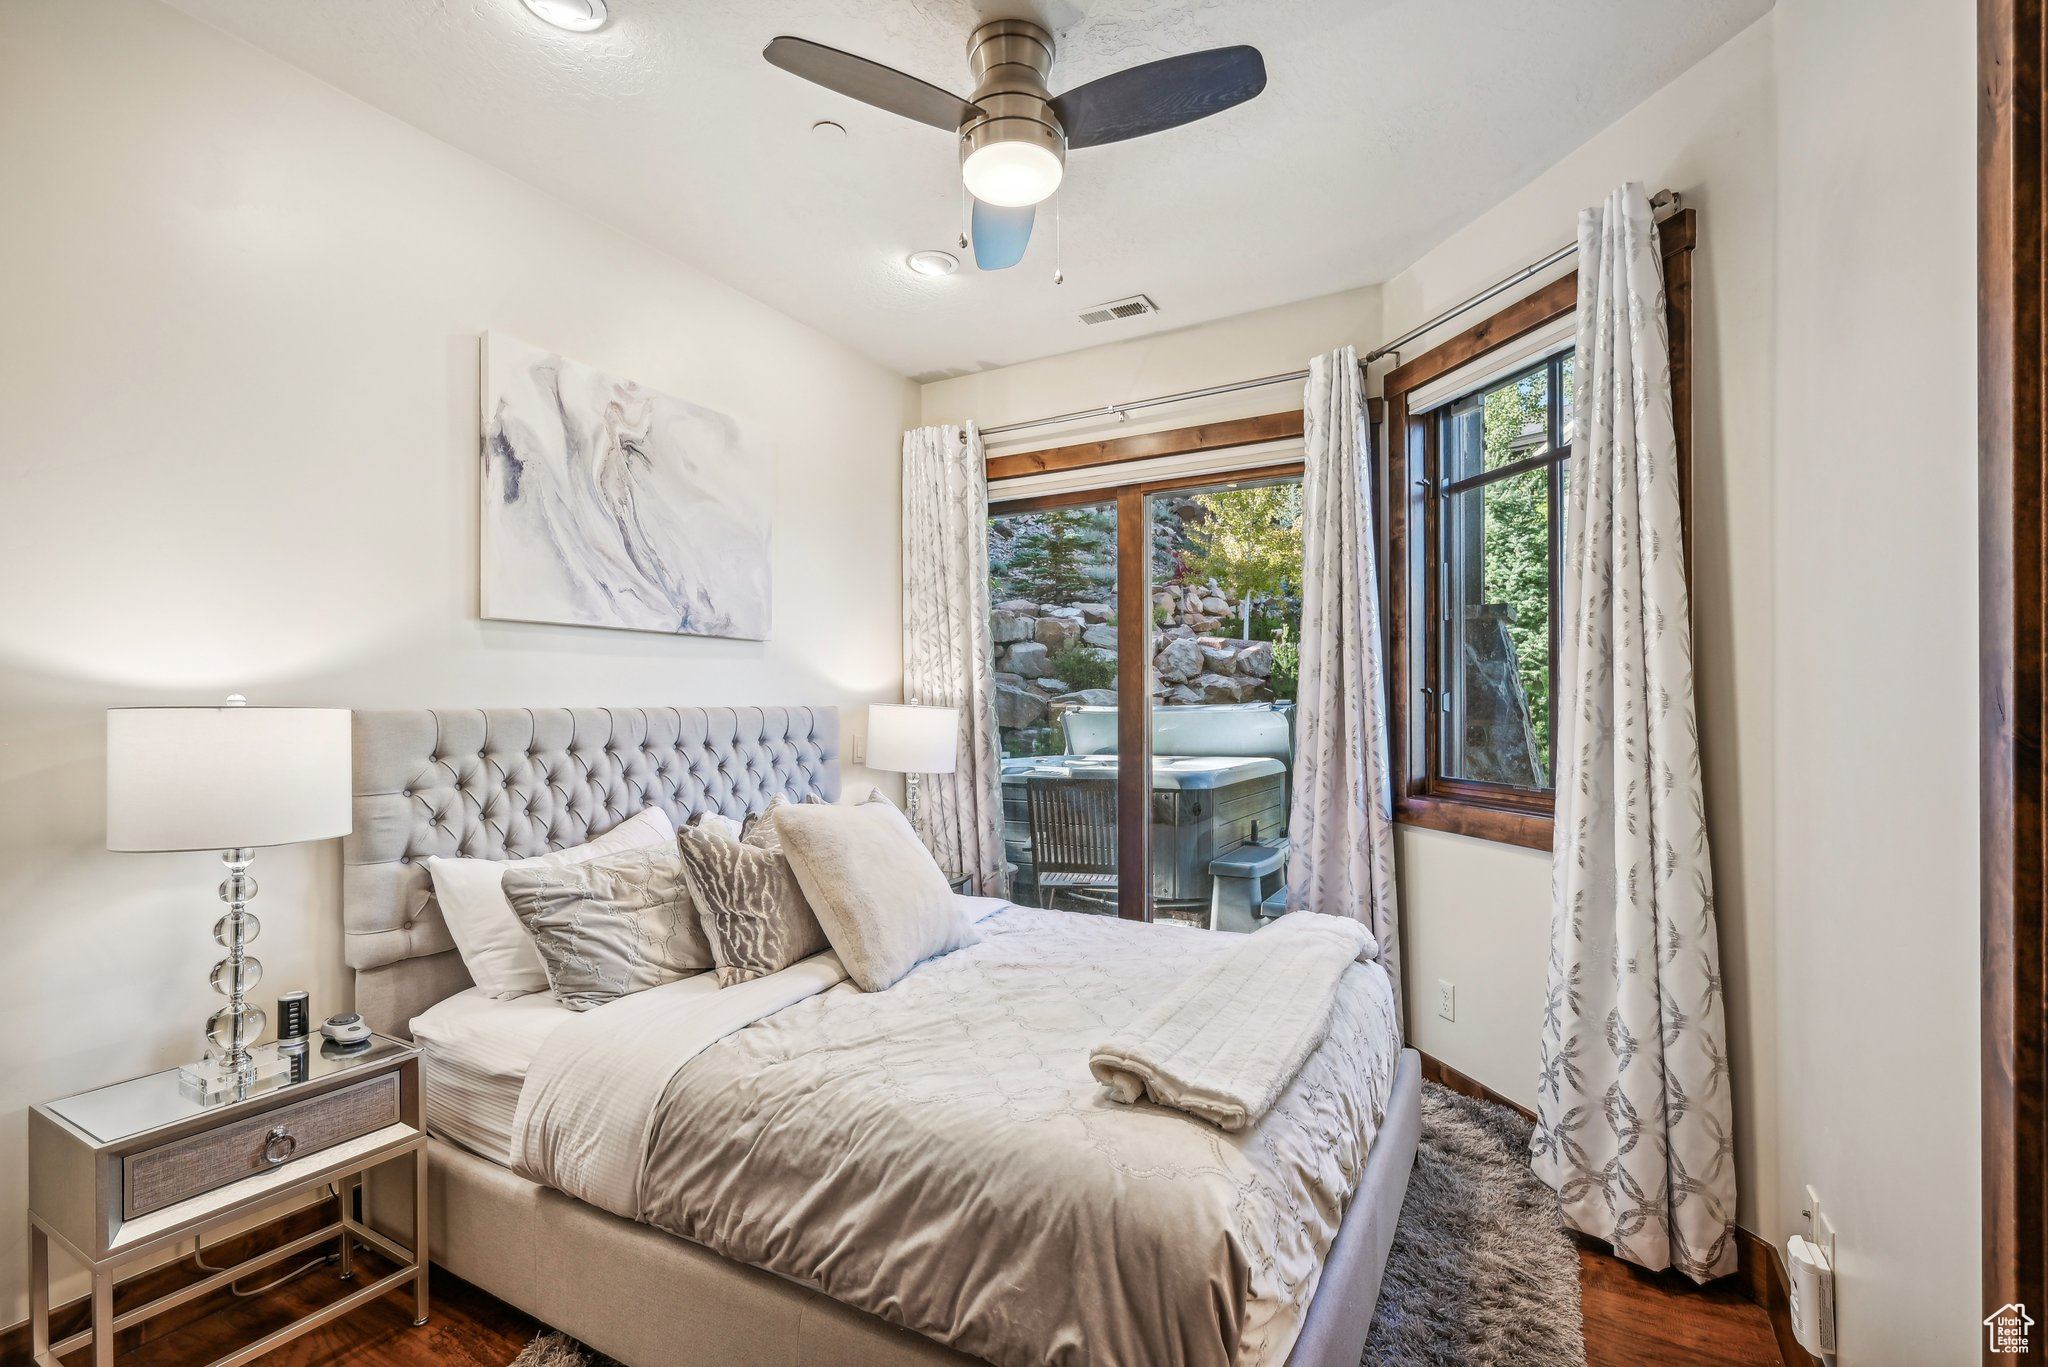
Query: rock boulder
{"points": [[1017, 707], [1028, 659], [1057, 633], [1005, 627], [1180, 661]]}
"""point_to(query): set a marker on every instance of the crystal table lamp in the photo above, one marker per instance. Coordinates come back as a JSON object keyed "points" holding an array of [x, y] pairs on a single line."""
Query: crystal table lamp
{"points": [[231, 779], [904, 738]]}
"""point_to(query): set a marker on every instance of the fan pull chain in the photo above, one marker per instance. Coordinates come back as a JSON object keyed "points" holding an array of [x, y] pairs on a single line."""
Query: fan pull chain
{"points": [[963, 217], [1059, 277]]}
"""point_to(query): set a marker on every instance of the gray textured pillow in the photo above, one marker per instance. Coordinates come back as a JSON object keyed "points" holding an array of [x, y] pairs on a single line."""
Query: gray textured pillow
{"points": [[875, 888], [612, 926], [751, 906]]}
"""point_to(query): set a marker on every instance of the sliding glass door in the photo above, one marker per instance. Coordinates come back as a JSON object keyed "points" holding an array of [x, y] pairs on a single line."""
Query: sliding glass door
{"points": [[1145, 649]]}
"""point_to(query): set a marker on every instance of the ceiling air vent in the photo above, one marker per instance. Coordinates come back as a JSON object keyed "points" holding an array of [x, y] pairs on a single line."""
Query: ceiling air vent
{"points": [[1116, 310]]}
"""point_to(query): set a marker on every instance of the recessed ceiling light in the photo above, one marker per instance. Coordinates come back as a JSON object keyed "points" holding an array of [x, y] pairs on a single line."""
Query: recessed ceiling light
{"points": [[933, 263], [828, 130], [577, 16]]}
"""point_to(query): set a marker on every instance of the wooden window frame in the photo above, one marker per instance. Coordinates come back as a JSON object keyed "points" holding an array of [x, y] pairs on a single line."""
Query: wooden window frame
{"points": [[1421, 798]]}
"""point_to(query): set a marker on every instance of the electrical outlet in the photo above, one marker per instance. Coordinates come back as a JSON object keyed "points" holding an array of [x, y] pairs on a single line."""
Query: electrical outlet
{"points": [[1810, 1213], [1446, 999]]}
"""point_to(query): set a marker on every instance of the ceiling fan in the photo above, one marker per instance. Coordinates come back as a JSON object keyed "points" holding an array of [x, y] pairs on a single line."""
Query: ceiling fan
{"points": [[1014, 134]]}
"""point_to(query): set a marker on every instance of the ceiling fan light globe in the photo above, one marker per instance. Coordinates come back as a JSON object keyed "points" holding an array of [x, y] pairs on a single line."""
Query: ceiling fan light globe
{"points": [[1011, 175]]}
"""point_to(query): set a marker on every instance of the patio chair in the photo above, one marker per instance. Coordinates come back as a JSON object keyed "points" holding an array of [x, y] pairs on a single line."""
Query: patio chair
{"points": [[1073, 839]]}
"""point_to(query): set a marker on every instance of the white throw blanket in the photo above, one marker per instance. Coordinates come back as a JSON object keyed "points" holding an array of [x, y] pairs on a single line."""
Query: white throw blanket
{"points": [[1224, 1044]]}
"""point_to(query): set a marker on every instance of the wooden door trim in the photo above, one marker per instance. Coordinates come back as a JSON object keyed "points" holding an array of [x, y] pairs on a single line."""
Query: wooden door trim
{"points": [[2013, 646]]}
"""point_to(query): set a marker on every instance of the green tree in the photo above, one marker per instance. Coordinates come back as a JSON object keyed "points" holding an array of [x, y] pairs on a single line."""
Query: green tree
{"points": [[1247, 540], [1517, 538], [1058, 556]]}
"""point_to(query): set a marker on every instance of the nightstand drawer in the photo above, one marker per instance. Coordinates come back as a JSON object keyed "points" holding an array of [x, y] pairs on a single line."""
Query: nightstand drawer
{"points": [[184, 1168]]}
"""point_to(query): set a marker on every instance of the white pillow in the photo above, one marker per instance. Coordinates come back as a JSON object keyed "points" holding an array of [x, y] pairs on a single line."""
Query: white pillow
{"points": [[875, 888], [496, 948]]}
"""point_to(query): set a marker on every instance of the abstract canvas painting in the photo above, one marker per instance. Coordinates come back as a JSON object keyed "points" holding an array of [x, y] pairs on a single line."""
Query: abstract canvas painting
{"points": [[608, 504]]}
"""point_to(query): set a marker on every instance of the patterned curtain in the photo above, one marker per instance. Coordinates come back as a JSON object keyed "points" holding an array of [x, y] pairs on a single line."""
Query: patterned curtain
{"points": [[946, 660], [1340, 826], [1632, 1105]]}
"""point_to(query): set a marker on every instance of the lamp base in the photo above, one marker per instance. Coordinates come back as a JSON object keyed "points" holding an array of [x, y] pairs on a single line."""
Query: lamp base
{"points": [[210, 1082]]}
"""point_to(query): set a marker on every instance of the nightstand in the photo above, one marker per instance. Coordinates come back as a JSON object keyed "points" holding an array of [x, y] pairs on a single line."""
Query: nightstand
{"points": [[123, 1176], [963, 883]]}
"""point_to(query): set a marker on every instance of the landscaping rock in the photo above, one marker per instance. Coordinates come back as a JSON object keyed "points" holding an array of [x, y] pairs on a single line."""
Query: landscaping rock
{"points": [[1005, 627], [1102, 636], [1215, 660], [1215, 606], [1222, 688], [1052, 688], [1095, 612], [1090, 697], [1256, 659], [1180, 695], [1025, 606], [1029, 659], [1180, 661], [1057, 633], [1018, 707]]}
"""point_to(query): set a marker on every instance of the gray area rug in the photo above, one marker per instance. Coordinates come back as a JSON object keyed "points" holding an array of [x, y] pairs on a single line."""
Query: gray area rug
{"points": [[1482, 1272]]}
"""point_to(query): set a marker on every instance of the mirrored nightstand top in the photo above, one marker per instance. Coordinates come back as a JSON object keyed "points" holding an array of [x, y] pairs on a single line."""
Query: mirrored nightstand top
{"points": [[126, 1109]]}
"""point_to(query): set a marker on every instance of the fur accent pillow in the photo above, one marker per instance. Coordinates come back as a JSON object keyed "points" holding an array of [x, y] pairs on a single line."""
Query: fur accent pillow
{"points": [[751, 906], [610, 927], [875, 888]]}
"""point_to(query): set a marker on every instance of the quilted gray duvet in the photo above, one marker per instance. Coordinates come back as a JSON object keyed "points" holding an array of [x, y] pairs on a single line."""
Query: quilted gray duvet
{"points": [[939, 1155]]}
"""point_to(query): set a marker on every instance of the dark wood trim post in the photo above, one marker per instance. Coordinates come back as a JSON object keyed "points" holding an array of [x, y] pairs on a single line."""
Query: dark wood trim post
{"points": [[2013, 536]]}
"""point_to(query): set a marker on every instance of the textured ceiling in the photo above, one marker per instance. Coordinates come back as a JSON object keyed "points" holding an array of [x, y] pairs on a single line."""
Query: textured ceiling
{"points": [[1385, 125]]}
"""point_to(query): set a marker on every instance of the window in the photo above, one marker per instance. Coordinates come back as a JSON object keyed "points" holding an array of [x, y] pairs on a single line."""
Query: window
{"points": [[1145, 619], [1479, 434], [1499, 468]]}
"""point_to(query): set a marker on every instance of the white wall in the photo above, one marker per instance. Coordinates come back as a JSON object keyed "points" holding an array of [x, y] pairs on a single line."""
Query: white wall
{"points": [[239, 315], [1480, 914], [1476, 913], [1828, 150], [1875, 769]]}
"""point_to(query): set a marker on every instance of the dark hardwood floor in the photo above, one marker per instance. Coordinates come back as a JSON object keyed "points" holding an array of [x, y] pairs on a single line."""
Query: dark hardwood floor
{"points": [[1659, 1319], [1633, 1319]]}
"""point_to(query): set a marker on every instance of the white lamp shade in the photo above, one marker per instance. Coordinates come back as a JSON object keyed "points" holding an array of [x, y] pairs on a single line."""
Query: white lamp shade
{"points": [[222, 778], [913, 740]]}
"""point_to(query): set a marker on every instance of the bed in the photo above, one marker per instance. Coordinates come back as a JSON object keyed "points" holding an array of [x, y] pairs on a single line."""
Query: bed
{"points": [[835, 1270]]}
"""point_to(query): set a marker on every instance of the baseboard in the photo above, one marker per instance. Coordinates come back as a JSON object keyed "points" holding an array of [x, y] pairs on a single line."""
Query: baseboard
{"points": [[72, 1316], [1437, 1071]]}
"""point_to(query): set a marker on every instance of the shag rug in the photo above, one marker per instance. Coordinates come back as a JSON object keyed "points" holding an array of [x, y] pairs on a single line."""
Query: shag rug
{"points": [[1482, 1272]]}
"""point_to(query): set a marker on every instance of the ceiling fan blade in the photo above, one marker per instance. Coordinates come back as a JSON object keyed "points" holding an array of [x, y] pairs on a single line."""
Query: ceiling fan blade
{"points": [[1160, 95], [1001, 235], [884, 87]]}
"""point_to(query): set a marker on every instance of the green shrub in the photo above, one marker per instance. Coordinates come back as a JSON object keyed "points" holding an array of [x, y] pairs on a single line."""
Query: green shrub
{"points": [[1286, 675], [1080, 667]]}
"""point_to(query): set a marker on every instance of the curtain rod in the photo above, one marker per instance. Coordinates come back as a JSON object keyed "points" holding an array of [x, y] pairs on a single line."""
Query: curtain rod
{"points": [[1663, 199]]}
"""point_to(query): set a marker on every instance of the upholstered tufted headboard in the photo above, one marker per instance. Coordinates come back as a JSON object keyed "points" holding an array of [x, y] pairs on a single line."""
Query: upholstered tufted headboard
{"points": [[512, 782]]}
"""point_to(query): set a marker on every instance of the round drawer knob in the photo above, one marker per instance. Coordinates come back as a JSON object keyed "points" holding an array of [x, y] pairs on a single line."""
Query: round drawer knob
{"points": [[280, 1146]]}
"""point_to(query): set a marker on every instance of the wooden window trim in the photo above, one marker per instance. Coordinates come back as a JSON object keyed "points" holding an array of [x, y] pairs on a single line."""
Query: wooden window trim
{"points": [[1484, 811]]}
